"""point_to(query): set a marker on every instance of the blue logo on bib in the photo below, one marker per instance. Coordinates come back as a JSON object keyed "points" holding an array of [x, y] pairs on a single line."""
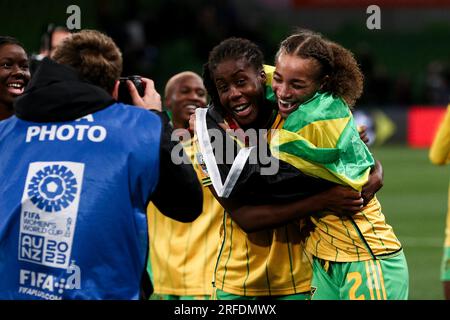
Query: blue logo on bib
{"points": [[53, 188]]}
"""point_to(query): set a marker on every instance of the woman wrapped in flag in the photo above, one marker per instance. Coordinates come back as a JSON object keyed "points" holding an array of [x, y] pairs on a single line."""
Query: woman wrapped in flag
{"points": [[316, 81]]}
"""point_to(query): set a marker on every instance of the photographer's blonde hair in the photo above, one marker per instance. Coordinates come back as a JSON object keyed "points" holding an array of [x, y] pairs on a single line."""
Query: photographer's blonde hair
{"points": [[94, 55]]}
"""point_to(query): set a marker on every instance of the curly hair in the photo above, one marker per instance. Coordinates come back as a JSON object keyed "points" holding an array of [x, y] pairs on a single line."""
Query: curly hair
{"points": [[339, 64], [94, 55], [230, 49]]}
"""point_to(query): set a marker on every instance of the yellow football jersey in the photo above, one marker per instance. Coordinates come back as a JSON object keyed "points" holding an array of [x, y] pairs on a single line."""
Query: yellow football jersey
{"points": [[362, 237], [264, 263], [183, 255]]}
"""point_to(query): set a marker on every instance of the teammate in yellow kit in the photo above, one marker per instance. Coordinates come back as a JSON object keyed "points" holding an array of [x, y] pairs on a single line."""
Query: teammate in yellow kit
{"points": [[440, 155], [182, 255]]}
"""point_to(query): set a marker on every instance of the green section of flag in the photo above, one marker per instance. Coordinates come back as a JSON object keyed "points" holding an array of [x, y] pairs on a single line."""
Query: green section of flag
{"points": [[322, 132]]}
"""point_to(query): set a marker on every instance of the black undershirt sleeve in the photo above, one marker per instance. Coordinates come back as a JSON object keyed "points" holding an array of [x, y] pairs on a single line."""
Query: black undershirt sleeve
{"points": [[178, 194]]}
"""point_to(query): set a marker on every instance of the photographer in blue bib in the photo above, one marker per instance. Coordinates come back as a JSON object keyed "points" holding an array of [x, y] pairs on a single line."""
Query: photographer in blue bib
{"points": [[73, 205]]}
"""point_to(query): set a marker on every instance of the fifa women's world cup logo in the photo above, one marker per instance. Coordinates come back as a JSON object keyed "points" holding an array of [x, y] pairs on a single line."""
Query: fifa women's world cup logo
{"points": [[53, 188], [49, 212]]}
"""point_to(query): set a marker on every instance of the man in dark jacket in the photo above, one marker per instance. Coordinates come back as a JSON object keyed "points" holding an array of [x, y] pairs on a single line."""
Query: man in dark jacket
{"points": [[78, 170]]}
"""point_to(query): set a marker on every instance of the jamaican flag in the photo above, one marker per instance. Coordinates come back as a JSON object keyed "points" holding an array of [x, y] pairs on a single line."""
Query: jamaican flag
{"points": [[320, 139]]}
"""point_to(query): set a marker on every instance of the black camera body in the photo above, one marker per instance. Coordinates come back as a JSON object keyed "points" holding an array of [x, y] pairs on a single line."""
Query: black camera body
{"points": [[124, 93]]}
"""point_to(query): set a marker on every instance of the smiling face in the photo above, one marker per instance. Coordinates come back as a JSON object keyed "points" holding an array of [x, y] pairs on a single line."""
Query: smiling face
{"points": [[295, 80], [241, 89], [184, 96], [14, 76]]}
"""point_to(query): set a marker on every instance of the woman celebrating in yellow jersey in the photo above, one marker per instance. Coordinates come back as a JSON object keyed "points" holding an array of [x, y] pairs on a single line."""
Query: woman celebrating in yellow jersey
{"points": [[316, 81]]}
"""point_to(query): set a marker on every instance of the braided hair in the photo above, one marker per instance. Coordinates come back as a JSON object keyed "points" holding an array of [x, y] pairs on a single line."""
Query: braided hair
{"points": [[345, 77]]}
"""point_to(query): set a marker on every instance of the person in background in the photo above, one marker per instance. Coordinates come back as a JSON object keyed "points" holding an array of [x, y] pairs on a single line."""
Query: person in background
{"points": [[184, 92], [182, 255], [73, 205], [14, 74], [440, 155], [53, 36]]}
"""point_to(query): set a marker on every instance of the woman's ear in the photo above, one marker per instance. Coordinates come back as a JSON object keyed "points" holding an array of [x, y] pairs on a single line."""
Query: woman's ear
{"points": [[263, 75], [324, 82]]}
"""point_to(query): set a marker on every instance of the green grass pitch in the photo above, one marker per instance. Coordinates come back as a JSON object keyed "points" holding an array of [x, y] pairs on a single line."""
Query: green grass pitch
{"points": [[414, 201]]}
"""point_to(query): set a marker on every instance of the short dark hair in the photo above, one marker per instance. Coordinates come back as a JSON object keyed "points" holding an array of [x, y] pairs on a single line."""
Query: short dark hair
{"points": [[10, 40]]}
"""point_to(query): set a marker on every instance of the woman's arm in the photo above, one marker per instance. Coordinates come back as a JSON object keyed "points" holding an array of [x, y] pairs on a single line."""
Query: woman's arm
{"points": [[440, 149], [251, 218], [176, 181], [374, 183]]}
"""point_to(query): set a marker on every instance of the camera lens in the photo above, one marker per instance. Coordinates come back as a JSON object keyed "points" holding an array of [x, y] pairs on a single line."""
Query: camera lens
{"points": [[134, 78]]}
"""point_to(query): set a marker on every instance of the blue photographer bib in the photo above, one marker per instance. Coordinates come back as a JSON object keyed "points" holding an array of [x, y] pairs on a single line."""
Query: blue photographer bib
{"points": [[73, 198]]}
